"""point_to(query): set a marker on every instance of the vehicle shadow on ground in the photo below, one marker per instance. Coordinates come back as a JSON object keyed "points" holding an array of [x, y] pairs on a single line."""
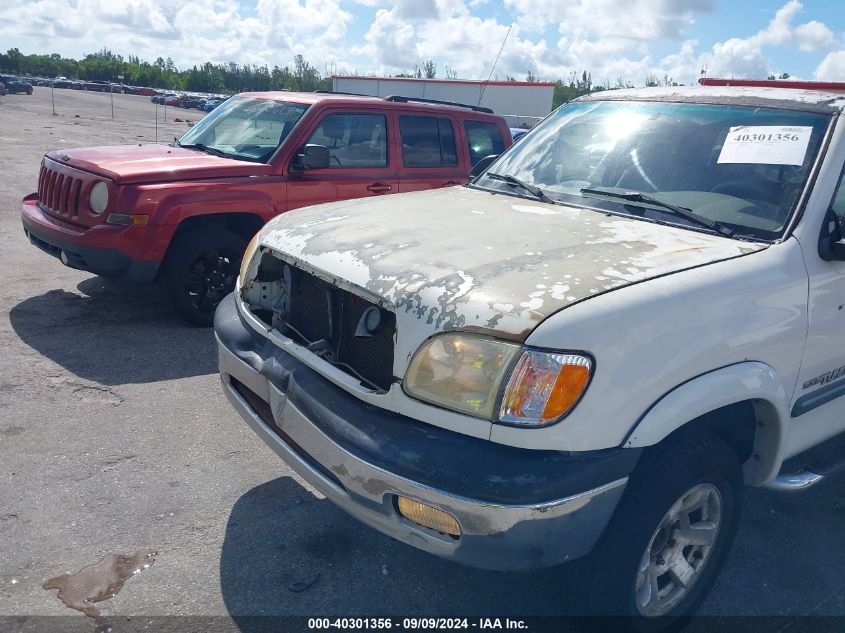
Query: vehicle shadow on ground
{"points": [[286, 552], [113, 333]]}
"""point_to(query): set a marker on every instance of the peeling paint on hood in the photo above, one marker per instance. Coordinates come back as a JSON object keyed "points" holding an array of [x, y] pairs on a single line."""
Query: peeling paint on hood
{"points": [[460, 258]]}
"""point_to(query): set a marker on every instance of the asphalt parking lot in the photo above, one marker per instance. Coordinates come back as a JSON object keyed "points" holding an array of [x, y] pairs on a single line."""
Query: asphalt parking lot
{"points": [[115, 438]]}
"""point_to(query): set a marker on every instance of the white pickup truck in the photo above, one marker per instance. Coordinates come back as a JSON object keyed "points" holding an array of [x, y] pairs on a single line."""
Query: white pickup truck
{"points": [[632, 314]]}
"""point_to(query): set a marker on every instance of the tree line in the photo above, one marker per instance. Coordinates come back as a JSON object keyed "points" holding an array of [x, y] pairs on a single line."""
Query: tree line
{"points": [[162, 73], [231, 77]]}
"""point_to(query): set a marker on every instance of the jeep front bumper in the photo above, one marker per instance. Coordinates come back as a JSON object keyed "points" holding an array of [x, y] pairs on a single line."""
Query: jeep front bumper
{"points": [[518, 509]]}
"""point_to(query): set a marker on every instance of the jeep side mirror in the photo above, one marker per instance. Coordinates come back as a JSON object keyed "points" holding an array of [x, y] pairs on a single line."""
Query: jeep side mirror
{"points": [[312, 156], [482, 165], [831, 242]]}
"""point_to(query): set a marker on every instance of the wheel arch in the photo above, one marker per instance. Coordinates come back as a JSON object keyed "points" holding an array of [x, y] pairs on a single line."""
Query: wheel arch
{"points": [[745, 403], [244, 223]]}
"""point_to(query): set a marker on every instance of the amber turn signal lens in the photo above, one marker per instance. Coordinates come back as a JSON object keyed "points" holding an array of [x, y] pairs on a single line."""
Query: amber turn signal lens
{"points": [[428, 516], [127, 219], [543, 387], [569, 386]]}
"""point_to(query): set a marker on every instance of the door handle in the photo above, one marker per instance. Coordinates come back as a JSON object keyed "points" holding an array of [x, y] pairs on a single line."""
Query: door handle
{"points": [[378, 187]]}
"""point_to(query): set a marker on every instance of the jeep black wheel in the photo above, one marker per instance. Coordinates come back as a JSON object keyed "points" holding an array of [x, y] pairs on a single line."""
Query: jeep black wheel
{"points": [[670, 535], [200, 270]]}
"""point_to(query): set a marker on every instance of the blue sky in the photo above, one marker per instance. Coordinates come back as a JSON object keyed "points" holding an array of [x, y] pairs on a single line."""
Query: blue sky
{"points": [[613, 39]]}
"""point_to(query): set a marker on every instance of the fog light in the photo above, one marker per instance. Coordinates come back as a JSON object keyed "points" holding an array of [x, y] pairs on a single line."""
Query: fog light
{"points": [[429, 517]]}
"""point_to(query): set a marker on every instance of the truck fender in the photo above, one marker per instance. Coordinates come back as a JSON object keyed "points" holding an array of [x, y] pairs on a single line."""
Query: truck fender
{"points": [[741, 382]]}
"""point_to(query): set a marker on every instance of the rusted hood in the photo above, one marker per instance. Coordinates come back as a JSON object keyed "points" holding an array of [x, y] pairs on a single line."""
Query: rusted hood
{"points": [[460, 258], [153, 163]]}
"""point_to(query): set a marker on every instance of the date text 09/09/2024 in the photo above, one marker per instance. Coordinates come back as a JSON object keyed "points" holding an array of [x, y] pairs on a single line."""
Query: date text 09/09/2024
{"points": [[416, 623]]}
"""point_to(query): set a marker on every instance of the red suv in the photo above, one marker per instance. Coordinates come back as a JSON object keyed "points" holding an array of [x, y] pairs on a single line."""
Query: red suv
{"points": [[183, 213]]}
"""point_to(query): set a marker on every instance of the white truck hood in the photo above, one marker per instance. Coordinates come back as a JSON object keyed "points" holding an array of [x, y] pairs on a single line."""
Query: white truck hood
{"points": [[464, 259]]}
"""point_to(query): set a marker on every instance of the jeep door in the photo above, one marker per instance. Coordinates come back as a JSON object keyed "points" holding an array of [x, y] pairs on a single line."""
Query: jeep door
{"points": [[359, 159], [429, 152]]}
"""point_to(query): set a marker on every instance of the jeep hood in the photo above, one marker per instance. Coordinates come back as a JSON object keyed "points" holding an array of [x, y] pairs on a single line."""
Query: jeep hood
{"points": [[460, 258], [127, 164]]}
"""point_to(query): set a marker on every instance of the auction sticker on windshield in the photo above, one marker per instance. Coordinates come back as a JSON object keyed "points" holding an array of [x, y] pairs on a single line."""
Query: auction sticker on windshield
{"points": [[766, 144]]}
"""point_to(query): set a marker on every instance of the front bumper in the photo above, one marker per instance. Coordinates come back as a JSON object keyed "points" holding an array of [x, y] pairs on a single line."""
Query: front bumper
{"points": [[518, 509], [96, 250]]}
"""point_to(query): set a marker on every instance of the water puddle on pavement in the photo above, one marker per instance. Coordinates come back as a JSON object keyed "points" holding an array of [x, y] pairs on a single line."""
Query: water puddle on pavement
{"points": [[99, 581]]}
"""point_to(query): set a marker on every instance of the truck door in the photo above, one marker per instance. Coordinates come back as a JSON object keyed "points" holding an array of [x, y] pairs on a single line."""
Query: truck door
{"points": [[818, 407], [359, 161]]}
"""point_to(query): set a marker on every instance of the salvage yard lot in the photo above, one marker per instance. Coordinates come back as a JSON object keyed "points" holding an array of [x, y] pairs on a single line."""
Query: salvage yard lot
{"points": [[115, 438]]}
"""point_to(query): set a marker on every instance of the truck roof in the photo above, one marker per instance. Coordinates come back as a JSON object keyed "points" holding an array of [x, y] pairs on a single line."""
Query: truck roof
{"points": [[791, 98], [401, 102]]}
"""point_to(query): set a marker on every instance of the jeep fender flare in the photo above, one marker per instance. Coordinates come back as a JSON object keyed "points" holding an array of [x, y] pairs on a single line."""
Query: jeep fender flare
{"points": [[742, 382]]}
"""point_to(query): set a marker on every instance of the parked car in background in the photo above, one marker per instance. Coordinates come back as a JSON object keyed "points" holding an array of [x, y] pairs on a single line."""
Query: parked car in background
{"points": [[629, 317], [15, 85], [517, 133], [192, 103], [147, 92], [183, 214], [175, 100], [209, 104]]}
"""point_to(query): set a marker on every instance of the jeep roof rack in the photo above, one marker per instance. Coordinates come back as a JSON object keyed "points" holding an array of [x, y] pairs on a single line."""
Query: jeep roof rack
{"points": [[403, 99], [348, 94]]}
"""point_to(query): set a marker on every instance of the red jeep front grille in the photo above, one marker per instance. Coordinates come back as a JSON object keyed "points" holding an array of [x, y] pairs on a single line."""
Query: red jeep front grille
{"points": [[58, 193]]}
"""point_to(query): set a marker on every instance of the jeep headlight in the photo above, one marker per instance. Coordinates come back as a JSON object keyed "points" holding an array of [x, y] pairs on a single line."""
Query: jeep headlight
{"points": [[98, 199], [462, 372], [466, 372], [249, 253]]}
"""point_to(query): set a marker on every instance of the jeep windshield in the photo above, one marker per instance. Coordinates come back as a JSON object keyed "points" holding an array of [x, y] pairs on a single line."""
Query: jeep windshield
{"points": [[244, 128], [740, 169]]}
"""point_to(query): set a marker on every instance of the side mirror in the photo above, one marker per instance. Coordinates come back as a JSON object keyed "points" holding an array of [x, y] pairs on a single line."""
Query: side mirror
{"points": [[312, 156], [831, 242], [482, 165]]}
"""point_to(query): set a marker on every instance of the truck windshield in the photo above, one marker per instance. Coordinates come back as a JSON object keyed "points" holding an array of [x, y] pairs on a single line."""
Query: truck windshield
{"points": [[244, 128], [740, 168]]}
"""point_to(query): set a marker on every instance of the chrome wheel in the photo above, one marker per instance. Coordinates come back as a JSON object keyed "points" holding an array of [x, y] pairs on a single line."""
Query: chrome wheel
{"points": [[678, 551]]}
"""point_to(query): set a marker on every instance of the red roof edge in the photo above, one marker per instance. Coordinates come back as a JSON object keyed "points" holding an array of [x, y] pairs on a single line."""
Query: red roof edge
{"points": [[774, 83], [453, 81]]}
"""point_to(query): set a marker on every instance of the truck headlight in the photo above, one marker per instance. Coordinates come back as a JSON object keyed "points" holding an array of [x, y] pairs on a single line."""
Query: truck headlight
{"points": [[544, 387], [465, 373], [458, 371], [249, 253], [98, 199]]}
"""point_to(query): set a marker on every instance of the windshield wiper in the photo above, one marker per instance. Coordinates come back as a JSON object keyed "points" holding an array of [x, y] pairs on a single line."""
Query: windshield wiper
{"points": [[639, 196], [208, 150], [516, 182]]}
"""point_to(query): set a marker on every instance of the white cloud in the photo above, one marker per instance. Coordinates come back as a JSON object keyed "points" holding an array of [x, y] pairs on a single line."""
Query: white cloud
{"points": [[745, 58], [832, 67], [638, 19], [550, 38], [189, 31], [813, 36]]}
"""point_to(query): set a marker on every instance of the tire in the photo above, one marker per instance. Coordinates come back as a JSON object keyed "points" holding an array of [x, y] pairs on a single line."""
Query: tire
{"points": [[200, 270], [642, 547], [29, 91]]}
